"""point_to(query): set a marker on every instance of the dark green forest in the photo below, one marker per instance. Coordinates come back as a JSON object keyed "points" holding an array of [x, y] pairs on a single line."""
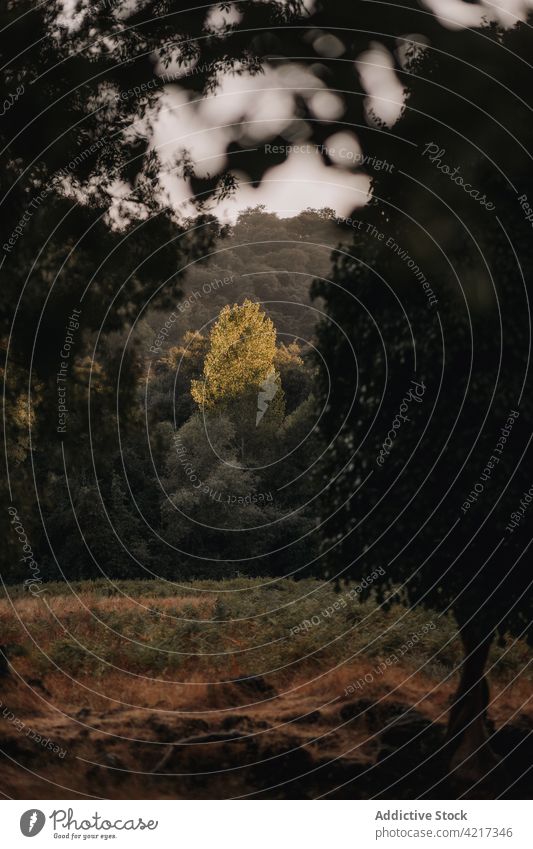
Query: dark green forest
{"points": [[174, 492]]}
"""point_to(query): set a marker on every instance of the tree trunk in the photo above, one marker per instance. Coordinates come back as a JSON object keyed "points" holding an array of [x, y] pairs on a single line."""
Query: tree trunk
{"points": [[4, 666], [471, 756]]}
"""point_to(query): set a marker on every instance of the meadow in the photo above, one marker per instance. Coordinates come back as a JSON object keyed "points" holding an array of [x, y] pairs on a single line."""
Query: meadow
{"points": [[218, 689]]}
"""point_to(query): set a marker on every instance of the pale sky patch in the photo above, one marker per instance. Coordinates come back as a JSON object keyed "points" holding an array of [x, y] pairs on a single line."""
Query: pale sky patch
{"points": [[455, 14], [385, 91]]}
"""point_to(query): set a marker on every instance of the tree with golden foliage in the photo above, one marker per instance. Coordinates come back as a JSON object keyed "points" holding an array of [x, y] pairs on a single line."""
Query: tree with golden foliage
{"points": [[240, 357], [240, 378]]}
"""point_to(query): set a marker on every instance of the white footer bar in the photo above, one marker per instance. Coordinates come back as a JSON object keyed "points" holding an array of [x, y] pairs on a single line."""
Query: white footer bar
{"points": [[268, 824]]}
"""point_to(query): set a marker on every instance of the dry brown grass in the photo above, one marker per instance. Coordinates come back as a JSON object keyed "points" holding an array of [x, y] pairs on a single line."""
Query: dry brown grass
{"points": [[127, 710]]}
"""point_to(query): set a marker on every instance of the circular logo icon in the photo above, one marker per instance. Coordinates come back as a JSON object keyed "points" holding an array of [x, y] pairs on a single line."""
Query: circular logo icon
{"points": [[32, 822]]}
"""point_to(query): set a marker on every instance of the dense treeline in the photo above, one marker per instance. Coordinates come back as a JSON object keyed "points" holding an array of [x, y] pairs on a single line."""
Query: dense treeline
{"points": [[262, 256], [160, 483]]}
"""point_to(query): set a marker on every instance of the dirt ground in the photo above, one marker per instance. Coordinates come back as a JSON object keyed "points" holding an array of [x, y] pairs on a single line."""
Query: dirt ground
{"points": [[247, 739]]}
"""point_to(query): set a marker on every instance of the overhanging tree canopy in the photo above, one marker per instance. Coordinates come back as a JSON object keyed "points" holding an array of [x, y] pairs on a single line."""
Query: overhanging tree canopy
{"points": [[434, 291]]}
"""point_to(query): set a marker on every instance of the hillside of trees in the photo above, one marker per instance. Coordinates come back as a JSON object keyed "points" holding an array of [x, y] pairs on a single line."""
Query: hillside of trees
{"points": [[126, 506], [262, 257], [209, 474]]}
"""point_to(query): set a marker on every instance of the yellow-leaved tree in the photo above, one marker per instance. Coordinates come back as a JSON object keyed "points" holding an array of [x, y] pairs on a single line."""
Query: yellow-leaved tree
{"points": [[239, 375], [242, 347]]}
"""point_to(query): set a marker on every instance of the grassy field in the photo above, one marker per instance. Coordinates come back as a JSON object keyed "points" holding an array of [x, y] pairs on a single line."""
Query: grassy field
{"points": [[130, 679], [227, 628]]}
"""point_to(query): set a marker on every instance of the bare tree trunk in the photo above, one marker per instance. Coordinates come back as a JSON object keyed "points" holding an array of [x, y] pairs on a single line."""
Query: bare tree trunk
{"points": [[4, 666], [467, 734]]}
